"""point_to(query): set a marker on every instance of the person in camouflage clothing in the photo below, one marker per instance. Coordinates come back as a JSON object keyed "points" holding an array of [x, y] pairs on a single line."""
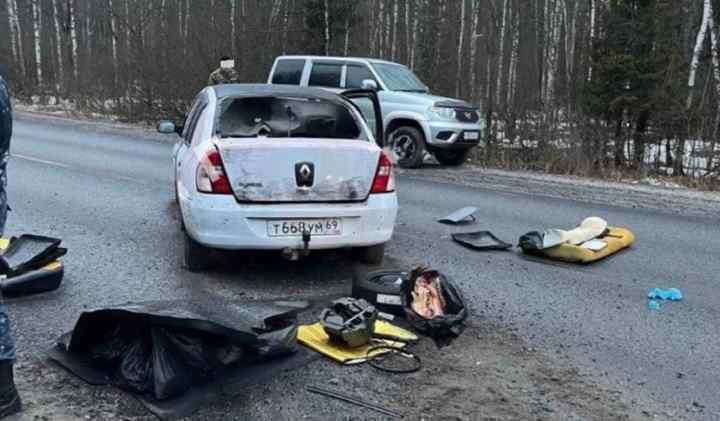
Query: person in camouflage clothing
{"points": [[226, 73], [9, 398]]}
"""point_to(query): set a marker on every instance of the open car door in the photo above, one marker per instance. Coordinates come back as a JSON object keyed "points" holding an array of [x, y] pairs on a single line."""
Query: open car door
{"points": [[368, 103]]}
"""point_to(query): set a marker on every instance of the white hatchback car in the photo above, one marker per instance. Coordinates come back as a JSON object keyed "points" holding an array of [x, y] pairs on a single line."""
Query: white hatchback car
{"points": [[266, 167]]}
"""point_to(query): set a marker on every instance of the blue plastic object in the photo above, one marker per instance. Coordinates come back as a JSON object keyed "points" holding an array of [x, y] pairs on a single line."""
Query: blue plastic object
{"points": [[672, 294], [653, 305]]}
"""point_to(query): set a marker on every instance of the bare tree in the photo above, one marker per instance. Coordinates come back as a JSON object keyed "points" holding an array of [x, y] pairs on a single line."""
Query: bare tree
{"points": [[37, 32]]}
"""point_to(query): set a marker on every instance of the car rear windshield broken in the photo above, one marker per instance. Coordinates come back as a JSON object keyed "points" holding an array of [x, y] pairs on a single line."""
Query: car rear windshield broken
{"points": [[283, 117]]}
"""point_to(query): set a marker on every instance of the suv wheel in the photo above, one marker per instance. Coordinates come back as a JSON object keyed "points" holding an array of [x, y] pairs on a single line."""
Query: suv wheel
{"points": [[408, 144], [452, 158], [197, 256]]}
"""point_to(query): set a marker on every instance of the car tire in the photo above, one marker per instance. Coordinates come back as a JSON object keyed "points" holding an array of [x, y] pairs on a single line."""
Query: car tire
{"points": [[197, 256], [408, 144], [452, 158], [381, 289], [372, 255]]}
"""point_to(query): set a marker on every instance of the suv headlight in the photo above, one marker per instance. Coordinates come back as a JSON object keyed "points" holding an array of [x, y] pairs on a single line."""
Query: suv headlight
{"points": [[443, 113]]}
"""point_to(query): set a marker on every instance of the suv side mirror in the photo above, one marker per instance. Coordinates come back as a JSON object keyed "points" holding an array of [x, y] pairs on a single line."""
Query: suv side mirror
{"points": [[168, 127], [369, 85]]}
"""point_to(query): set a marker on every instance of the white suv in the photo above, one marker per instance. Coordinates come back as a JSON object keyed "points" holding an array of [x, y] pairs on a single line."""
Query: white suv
{"points": [[282, 168], [414, 120]]}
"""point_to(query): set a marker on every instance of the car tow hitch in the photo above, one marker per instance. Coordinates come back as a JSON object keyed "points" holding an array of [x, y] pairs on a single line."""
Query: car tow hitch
{"points": [[295, 254]]}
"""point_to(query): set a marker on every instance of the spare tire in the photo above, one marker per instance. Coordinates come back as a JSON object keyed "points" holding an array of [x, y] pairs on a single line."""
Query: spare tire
{"points": [[381, 288]]}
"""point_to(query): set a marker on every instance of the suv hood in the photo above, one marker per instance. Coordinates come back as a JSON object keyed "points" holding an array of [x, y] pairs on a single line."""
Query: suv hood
{"points": [[430, 100]]}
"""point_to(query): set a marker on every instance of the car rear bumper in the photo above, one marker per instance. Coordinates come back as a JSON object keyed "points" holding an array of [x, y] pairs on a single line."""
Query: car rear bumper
{"points": [[221, 222]]}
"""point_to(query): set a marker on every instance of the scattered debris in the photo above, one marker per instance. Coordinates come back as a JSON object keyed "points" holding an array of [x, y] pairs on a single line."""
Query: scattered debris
{"points": [[395, 361], [576, 246], [433, 304], [171, 354], [29, 265], [349, 321], [382, 289], [460, 216], [481, 240], [672, 294], [314, 337], [354, 401], [653, 305]]}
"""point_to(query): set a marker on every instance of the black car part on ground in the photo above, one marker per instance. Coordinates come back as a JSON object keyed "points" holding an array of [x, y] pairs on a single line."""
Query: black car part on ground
{"points": [[381, 288], [460, 216], [349, 321], [178, 351], [36, 281], [383, 360], [353, 400], [29, 252], [481, 241], [448, 325], [532, 242]]}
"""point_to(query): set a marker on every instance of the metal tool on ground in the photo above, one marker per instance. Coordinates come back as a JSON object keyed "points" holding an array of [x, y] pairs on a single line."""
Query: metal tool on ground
{"points": [[480, 240], [353, 400], [460, 216], [395, 361]]}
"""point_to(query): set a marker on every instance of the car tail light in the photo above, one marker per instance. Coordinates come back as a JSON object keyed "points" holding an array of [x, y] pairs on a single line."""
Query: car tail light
{"points": [[384, 177], [210, 177]]}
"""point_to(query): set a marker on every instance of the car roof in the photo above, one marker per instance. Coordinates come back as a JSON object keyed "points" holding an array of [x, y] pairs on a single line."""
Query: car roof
{"points": [[339, 58], [235, 90]]}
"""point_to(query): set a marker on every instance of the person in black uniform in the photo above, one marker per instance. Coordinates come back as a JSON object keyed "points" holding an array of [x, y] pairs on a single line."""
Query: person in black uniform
{"points": [[9, 398]]}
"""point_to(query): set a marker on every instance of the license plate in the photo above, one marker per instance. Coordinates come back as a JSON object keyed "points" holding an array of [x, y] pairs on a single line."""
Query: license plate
{"points": [[296, 227], [471, 135]]}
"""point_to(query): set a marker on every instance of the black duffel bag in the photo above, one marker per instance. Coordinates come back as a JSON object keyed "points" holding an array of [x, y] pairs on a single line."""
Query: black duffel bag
{"points": [[449, 325]]}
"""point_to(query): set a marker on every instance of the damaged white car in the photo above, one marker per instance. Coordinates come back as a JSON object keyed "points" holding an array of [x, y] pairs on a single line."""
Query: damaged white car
{"points": [[263, 167]]}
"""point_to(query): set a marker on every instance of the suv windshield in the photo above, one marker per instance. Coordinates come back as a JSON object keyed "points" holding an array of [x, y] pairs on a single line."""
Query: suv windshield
{"points": [[399, 78], [286, 117]]}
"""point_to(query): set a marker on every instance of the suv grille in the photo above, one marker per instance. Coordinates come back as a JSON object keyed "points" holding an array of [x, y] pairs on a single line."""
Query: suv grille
{"points": [[467, 115]]}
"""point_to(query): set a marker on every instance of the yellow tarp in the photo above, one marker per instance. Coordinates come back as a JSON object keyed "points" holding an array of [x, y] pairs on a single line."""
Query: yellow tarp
{"points": [[314, 337], [616, 239]]}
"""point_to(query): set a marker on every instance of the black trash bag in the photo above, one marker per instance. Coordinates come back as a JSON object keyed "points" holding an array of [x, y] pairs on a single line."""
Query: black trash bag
{"points": [[197, 351], [113, 345], [171, 374], [451, 324], [531, 242], [135, 370]]}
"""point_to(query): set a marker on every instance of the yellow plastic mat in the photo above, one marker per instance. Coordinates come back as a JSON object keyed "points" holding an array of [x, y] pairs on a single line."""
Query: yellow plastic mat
{"points": [[314, 337], [616, 238]]}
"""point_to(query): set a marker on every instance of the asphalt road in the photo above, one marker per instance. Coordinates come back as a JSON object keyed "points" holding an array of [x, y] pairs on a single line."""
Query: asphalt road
{"points": [[108, 193]]}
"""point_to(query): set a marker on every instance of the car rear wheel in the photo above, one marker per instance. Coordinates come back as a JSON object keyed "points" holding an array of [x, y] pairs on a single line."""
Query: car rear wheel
{"points": [[197, 256], [408, 144], [372, 255], [452, 158]]}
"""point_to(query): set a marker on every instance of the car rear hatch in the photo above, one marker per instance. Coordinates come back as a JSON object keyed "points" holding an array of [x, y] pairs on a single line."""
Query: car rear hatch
{"points": [[299, 170]]}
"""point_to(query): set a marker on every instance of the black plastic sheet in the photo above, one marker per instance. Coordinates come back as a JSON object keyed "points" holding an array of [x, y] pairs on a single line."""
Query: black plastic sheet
{"points": [[163, 350]]}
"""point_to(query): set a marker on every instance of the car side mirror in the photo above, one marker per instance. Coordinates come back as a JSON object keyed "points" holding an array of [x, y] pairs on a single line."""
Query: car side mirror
{"points": [[369, 85], [168, 127]]}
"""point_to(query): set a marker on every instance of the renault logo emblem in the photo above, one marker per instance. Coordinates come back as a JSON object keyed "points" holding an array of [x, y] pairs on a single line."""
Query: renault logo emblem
{"points": [[468, 115], [304, 174]]}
